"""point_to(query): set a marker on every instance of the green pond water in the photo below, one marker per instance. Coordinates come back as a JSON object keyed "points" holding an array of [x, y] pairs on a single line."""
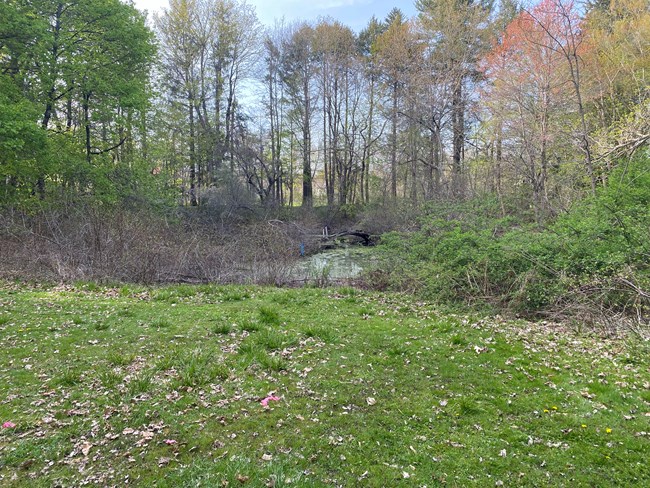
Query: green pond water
{"points": [[335, 264]]}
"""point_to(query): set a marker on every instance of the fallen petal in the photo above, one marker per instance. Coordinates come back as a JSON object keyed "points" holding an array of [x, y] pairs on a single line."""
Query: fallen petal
{"points": [[270, 398]]}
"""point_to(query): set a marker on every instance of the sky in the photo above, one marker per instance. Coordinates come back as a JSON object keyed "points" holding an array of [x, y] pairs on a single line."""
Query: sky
{"points": [[353, 13]]}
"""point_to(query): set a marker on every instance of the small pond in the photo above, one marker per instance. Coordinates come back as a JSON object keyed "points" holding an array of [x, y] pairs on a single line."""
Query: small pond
{"points": [[335, 264]]}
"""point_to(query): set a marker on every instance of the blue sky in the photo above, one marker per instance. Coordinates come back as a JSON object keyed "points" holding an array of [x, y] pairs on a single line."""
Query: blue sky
{"points": [[354, 13]]}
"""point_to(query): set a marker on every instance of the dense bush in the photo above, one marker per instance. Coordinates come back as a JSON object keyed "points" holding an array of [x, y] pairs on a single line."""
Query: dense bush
{"points": [[597, 254], [89, 241]]}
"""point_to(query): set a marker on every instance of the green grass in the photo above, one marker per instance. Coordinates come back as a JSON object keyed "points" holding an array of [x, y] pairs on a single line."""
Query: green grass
{"points": [[374, 390], [269, 316], [222, 328]]}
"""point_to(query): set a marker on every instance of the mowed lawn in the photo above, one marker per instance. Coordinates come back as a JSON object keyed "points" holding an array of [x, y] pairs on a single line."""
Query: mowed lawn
{"points": [[244, 386]]}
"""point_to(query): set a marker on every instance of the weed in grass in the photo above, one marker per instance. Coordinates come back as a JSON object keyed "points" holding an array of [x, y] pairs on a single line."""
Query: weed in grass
{"points": [[268, 316], [142, 383], [237, 471], [302, 301], [272, 363], [248, 347], [77, 320], [469, 407], [200, 367], [185, 290], [140, 414], [222, 328], [638, 350], [281, 299], [164, 295], [459, 340], [219, 371], [235, 296], [191, 371], [162, 323], [69, 377], [366, 312], [272, 340], [109, 378], [89, 286], [250, 326], [348, 291], [397, 350], [206, 289], [166, 362], [4, 319], [244, 360], [442, 327], [117, 358], [103, 325], [126, 313], [125, 291], [318, 333]]}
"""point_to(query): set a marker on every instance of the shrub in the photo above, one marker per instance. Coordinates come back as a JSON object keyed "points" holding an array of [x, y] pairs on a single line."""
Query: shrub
{"points": [[596, 253]]}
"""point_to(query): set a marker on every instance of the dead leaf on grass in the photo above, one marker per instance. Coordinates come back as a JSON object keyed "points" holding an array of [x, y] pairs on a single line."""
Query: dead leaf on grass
{"points": [[85, 448]]}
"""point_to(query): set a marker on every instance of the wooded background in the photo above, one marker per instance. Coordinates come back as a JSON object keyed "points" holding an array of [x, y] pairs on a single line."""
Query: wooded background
{"points": [[537, 102]]}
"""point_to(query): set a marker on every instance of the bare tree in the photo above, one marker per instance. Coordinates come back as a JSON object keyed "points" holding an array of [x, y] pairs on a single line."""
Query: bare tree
{"points": [[298, 72]]}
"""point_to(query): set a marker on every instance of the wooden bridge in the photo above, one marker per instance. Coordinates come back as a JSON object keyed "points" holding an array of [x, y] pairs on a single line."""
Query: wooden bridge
{"points": [[364, 236]]}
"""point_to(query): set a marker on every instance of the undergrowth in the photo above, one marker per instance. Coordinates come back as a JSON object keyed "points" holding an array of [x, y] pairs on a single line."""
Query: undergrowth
{"points": [[591, 262]]}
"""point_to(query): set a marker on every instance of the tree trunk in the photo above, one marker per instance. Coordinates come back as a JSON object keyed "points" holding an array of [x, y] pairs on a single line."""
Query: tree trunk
{"points": [[458, 122], [393, 145], [86, 112], [498, 160], [54, 75], [307, 189], [193, 190]]}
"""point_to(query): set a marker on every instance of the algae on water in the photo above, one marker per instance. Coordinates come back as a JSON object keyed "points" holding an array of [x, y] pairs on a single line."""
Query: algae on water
{"points": [[334, 264]]}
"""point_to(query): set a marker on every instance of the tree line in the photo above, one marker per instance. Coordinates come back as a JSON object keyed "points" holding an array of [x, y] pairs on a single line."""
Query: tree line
{"points": [[537, 102]]}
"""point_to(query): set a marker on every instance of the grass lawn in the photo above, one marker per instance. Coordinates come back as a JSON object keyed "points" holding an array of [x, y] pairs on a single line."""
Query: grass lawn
{"points": [[243, 386]]}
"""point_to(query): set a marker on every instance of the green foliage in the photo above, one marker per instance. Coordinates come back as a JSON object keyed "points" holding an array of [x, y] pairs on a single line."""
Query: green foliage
{"points": [[268, 316], [72, 105], [485, 259], [222, 328], [200, 367], [68, 377], [141, 383], [22, 143], [162, 323]]}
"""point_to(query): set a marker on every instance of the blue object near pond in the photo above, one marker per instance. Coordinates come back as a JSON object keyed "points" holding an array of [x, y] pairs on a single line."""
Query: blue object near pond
{"points": [[302, 248]]}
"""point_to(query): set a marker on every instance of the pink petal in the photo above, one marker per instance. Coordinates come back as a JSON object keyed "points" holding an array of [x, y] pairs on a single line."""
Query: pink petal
{"points": [[8, 425], [268, 399], [170, 442]]}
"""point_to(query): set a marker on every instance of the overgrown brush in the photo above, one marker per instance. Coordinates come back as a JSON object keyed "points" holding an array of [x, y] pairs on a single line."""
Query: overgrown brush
{"points": [[88, 242], [593, 258]]}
